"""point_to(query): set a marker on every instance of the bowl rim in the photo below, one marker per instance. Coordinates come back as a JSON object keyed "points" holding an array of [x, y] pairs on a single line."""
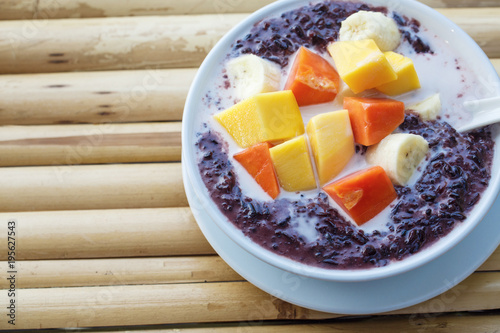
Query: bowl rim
{"points": [[207, 69]]}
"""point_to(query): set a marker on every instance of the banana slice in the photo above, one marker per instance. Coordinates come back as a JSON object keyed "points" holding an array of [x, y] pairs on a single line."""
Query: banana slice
{"points": [[371, 25], [399, 154], [428, 109], [251, 75]]}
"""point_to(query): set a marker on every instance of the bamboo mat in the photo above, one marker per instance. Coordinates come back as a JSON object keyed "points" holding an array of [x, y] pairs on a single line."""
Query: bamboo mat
{"points": [[90, 172]]}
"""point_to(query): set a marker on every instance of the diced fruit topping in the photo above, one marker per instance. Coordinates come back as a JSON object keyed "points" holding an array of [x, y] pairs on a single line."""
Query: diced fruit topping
{"points": [[273, 116], [251, 75], [428, 109], [407, 75], [293, 165], [364, 60], [371, 25], [361, 64], [363, 194], [372, 119], [257, 161], [399, 154], [332, 143], [312, 79]]}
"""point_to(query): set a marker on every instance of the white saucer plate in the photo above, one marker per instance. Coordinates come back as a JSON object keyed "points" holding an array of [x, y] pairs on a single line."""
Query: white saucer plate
{"points": [[367, 297]]}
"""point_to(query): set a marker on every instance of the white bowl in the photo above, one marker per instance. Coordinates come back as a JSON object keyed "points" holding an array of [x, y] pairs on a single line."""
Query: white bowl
{"points": [[449, 33]]}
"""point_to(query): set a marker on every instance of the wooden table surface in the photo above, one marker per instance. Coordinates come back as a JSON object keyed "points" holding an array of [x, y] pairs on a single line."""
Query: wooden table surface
{"points": [[91, 100]]}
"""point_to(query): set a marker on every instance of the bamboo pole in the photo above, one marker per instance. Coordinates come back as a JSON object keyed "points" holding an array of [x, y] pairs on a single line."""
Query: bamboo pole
{"points": [[16, 9], [94, 97], [110, 43], [160, 42], [49, 9], [149, 304], [91, 187], [105, 234], [130, 271], [85, 144], [208, 302], [459, 323]]}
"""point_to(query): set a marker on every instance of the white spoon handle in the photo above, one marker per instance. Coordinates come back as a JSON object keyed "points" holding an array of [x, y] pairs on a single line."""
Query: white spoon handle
{"points": [[484, 112]]}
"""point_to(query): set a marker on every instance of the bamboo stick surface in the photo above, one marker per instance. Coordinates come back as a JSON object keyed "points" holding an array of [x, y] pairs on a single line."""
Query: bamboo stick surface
{"points": [[90, 172], [94, 97], [47, 9], [177, 41]]}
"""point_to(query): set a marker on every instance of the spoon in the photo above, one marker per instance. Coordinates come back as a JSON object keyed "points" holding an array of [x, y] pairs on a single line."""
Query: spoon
{"points": [[484, 112]]}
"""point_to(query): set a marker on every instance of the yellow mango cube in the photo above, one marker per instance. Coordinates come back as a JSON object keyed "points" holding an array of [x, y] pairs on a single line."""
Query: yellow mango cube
{"points": [[332, 143], [293, 165], [361, 64], [407, 75], [273, 116]]}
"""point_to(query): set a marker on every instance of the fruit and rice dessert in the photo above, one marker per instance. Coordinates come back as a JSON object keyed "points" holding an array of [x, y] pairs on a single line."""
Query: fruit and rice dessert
{"points": [[328, 136]]}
